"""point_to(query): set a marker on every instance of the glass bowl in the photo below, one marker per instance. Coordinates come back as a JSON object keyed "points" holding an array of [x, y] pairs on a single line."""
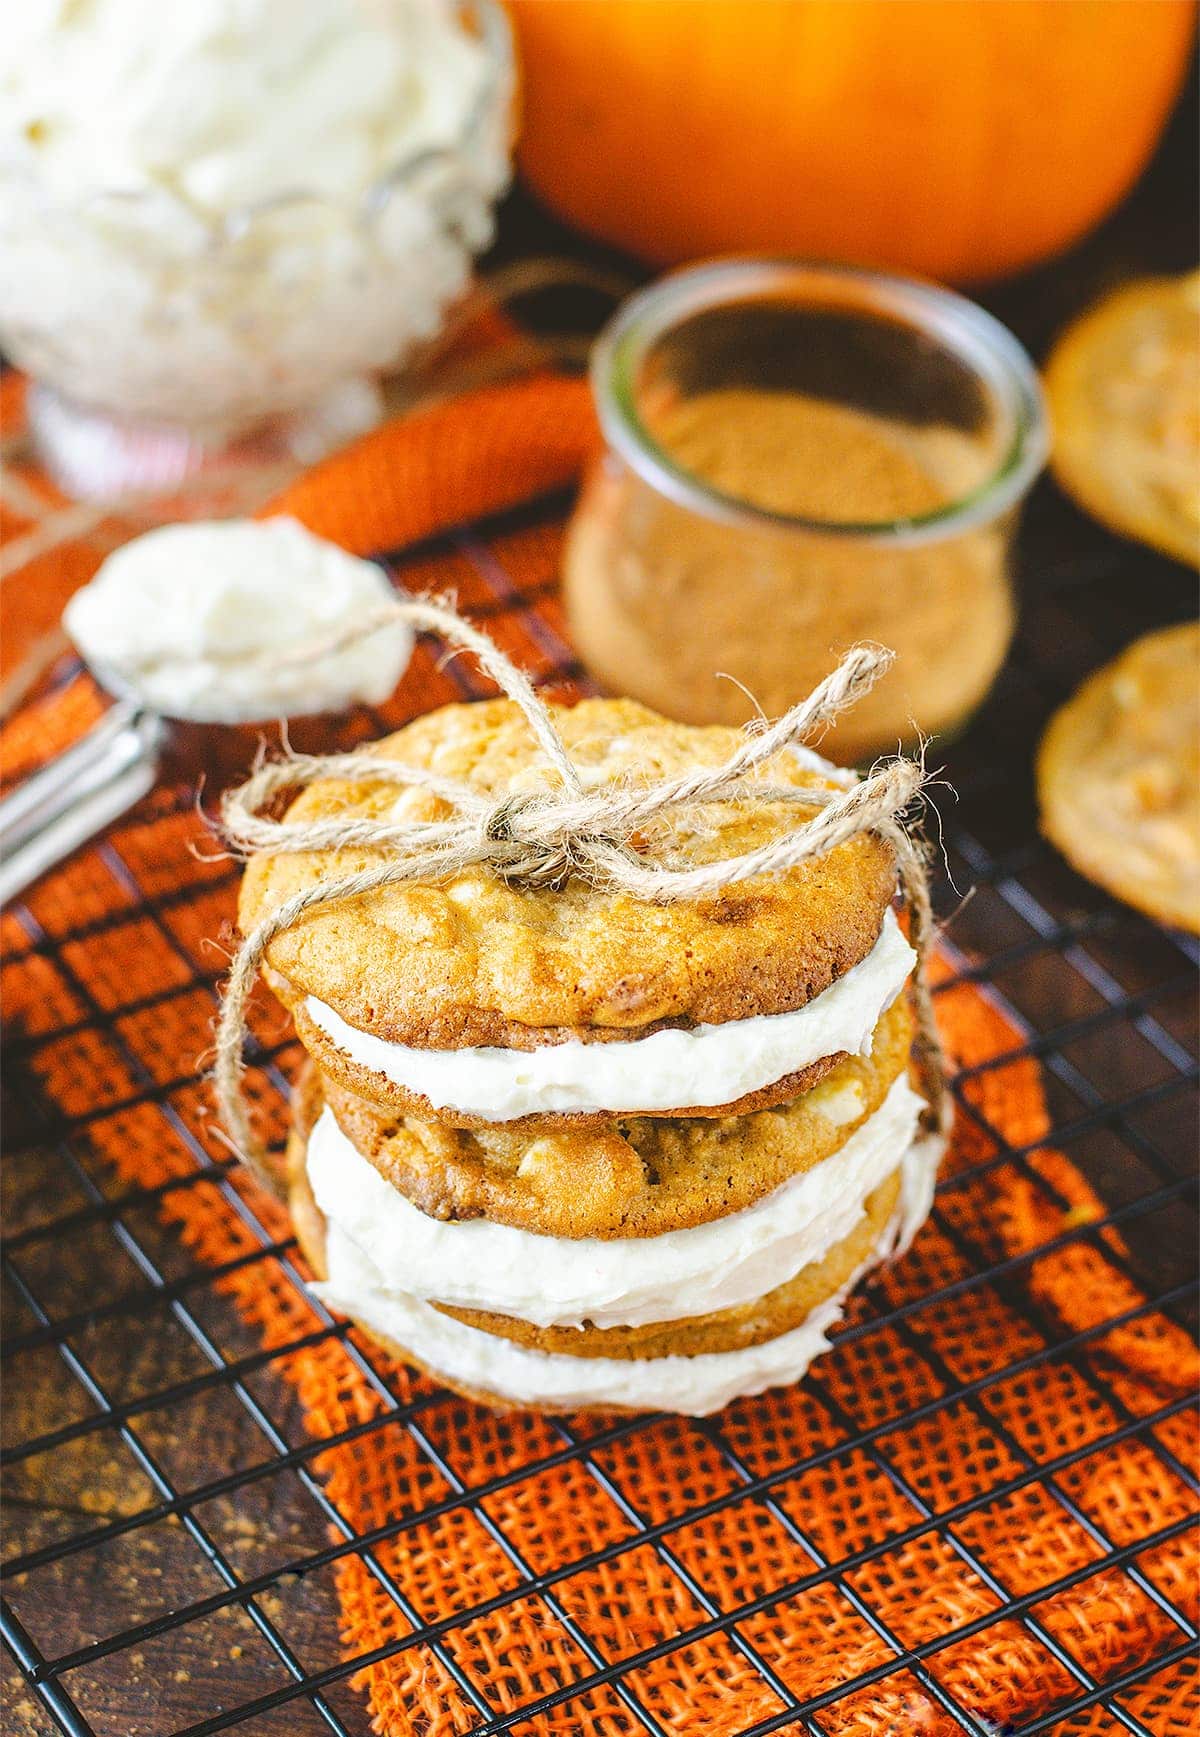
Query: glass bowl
{"points": [[159, 341]]}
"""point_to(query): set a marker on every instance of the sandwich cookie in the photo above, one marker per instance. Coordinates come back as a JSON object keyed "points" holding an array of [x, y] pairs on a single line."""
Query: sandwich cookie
{"points": [[476, 1001]]}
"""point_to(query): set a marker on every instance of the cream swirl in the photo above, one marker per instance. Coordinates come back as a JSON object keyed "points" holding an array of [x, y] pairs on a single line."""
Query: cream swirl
{"points": [[192, 618], [694, 1386], [702, 1067], [610, 1282]]}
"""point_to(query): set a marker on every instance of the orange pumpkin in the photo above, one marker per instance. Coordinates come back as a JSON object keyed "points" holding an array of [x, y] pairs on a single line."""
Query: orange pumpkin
{"points": [[962, 139]]}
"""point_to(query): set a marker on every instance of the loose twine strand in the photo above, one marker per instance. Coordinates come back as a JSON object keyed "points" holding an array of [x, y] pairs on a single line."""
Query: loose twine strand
{"points": [[542, 839]]}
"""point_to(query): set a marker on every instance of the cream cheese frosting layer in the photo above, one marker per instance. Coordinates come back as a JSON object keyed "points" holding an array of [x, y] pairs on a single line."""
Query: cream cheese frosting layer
{"points": [[614, 1282], [694, 1386], [702, 1067]]}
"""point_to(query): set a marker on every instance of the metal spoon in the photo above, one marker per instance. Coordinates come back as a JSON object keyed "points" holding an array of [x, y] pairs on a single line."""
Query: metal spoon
{"points": [[89, 785]]}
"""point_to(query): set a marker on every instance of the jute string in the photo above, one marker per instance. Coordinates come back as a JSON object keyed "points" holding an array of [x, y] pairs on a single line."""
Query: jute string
{"points": [[542, 839]]}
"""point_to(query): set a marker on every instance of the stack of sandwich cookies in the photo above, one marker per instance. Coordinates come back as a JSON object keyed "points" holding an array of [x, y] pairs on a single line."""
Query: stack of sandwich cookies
{"points": [[565, 1148]]}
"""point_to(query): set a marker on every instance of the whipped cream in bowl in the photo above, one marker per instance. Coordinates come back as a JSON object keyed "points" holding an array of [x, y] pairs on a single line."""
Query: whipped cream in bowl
{"points": [[231, 217]]}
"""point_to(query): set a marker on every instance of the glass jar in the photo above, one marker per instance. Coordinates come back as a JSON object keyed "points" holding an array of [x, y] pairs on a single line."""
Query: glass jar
{"points": [[799, 458]]}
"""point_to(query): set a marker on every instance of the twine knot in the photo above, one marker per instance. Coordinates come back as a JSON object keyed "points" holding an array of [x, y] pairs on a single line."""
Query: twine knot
{"points": [[544, 838], [522, 854]]}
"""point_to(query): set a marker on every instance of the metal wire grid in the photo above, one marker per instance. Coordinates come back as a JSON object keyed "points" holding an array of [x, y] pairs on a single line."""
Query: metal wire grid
{"points": [[1007, 870]]}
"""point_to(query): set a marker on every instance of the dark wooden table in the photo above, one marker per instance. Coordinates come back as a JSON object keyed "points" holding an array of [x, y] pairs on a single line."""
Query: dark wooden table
{"points": [[1085, 593]]}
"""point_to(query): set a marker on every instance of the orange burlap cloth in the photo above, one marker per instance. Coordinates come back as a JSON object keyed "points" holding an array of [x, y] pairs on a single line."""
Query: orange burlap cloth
{"points": [[1008, 1437]]}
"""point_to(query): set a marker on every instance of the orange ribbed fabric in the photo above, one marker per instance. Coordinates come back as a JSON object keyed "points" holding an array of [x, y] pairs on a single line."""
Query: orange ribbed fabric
{"points": [[999, 1454], [447, 465]]}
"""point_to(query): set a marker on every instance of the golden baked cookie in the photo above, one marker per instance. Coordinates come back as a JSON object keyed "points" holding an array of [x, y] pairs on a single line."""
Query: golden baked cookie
{"points": [[639, 1176], [733, 1329], [1123, 384], [475, 961], [1118, 776]]}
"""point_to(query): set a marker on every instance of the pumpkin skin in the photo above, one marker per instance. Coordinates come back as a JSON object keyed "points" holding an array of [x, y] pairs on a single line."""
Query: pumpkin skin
{"points": [[961, 139]]}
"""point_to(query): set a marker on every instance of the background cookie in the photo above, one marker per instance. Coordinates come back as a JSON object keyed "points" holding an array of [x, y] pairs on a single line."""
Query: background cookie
{"points": [[1118, 776], [1123, 384]]}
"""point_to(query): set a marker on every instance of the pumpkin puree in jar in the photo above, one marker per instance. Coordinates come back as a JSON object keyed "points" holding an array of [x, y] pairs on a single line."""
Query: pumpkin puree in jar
{"points": [[663, 600]]}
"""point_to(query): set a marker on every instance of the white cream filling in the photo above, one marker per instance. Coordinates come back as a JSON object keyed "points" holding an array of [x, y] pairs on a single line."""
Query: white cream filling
{"points": [[618, 1282], [669, 1070], [694, 1386]]}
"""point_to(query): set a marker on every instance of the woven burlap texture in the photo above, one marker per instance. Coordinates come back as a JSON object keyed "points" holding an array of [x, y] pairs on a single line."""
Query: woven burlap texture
{"points": [[454, 463]]}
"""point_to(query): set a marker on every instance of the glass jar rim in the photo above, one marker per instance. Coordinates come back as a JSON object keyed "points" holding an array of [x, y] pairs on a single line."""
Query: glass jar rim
{"points": [[976, 338]]}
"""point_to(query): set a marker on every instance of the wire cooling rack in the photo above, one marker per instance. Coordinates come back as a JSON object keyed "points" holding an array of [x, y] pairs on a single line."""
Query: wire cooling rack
{"points": [[165, 1519]]}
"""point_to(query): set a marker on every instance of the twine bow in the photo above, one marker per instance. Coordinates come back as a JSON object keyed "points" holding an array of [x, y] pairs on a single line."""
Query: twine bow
{"points": [[544, 838]]}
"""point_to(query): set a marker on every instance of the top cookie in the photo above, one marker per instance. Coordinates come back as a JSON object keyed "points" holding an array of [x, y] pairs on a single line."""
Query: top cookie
{"points": [[475, 961]]}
